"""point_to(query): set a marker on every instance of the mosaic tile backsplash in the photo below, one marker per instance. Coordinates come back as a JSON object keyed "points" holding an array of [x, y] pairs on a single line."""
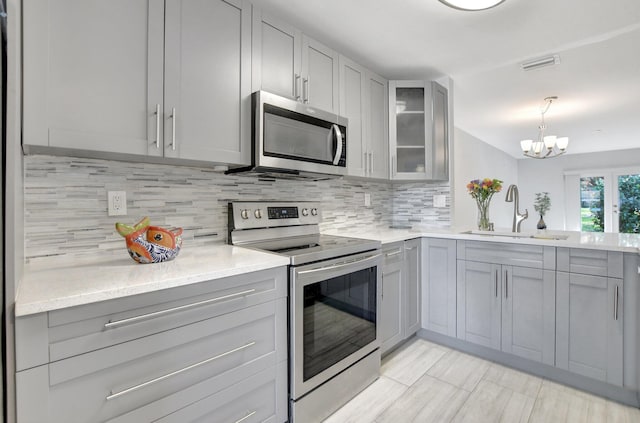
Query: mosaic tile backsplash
{"points": [[66, 203]]}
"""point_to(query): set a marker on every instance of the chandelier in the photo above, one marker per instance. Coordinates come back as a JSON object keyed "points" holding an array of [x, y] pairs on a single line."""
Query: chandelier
{"points": [[546, 146]]}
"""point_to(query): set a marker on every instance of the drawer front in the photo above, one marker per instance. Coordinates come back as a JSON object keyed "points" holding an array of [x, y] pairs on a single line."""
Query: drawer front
{"points": [[78, 330], [261, 398], [590, 262], [393, 253], [211, 355], [535, 256]]}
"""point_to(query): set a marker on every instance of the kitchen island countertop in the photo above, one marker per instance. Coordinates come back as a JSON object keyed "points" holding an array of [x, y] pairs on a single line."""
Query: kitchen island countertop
{"points": [[71, 283]]}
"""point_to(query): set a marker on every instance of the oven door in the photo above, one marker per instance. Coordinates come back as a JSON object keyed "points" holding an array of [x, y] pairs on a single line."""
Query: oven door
{"points": [[333, 317]]}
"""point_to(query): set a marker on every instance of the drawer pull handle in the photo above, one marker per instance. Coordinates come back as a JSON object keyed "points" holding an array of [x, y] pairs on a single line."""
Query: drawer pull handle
{"points": [[110, 324], [246, 417], [395, 253], [177, 372]]}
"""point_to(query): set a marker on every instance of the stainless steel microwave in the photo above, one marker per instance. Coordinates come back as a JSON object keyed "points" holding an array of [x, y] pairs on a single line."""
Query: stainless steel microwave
{"points": [[292, 139]]}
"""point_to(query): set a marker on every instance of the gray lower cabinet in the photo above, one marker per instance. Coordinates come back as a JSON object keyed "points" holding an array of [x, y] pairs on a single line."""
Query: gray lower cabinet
{"points": [[439, 285], [412, 284], [214, 348], [401, 292], [590, 321], [391, 307], [506, 307]]}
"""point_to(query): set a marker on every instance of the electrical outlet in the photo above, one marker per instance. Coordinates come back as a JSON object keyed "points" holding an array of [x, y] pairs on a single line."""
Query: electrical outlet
{"points": [[439, 201], [117, 202], [367, 199]]}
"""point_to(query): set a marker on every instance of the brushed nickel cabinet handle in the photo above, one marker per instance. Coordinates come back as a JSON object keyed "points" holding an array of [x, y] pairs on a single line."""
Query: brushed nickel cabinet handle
{"points": [[615, 304], [305, 89], [173, 129], [496, 284], [506, 284], [157, 126], [371, 162], [296, 85], [130, 320], [177, 372], [245, 417], [394, 253]]}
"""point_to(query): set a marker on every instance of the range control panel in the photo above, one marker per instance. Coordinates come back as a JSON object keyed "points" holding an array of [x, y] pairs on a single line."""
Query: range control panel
{"points": [[256, 215]]}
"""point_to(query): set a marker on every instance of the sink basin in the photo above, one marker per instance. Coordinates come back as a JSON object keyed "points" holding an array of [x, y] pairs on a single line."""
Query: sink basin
{"points": [[549, 236]]}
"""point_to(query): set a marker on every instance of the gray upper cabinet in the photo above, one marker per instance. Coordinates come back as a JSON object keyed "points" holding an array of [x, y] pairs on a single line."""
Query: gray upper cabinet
{"points": [[207, 104], [439, 285], [156, 88], [363, 100], [590, 316], [418, 130], [290, 64], [87, 86], [506, 307]]}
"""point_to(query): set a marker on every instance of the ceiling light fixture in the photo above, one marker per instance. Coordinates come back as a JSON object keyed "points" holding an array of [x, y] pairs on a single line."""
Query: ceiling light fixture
{"points": [[472, 4], [540, 62], [546, 146]]}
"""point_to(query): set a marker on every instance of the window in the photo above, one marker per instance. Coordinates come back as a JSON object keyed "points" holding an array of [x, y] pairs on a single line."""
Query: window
{"points": [[609, 201]]}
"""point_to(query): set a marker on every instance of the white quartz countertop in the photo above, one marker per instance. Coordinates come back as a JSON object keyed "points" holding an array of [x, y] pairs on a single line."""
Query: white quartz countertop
{"points": [[68, 284], [591, 240]]}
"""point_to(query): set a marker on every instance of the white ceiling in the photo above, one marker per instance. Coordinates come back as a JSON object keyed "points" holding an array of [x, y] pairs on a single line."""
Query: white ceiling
{"points": [[597, 81]]}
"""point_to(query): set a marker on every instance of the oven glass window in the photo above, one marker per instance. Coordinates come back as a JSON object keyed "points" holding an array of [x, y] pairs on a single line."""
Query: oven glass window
{"points": [[339, 319]]}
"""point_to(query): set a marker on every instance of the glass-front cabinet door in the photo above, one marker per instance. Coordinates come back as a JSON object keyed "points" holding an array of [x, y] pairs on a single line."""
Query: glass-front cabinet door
{"points": [[418, 131]]}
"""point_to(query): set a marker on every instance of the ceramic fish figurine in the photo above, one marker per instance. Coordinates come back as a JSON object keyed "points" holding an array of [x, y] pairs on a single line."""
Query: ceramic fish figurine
{"points": [[150, 244]]}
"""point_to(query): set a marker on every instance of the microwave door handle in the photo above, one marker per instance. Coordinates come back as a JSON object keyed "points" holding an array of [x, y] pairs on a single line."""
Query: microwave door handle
{"points": [[336, 158]]}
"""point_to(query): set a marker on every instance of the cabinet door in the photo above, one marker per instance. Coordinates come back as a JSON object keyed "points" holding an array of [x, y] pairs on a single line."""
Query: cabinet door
{"points": [[439, 285], [208, 71], [479, 303], [352, 106], [412, 297], [93, 74], [409, 106], [319, 75], [440, 132], [528, 313], [589, 326], [391, 321], [377, 133], [276, 49]]}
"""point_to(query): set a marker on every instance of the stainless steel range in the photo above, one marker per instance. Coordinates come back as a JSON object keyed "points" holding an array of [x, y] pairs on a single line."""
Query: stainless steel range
{"points": [[334, 293]]}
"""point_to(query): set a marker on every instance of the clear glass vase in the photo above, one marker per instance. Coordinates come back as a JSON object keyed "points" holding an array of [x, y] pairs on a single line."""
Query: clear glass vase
{"points": [[484, 223]]}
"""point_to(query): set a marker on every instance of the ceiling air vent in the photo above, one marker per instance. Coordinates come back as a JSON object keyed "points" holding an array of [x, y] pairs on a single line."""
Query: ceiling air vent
{"points": [[540, 62]]}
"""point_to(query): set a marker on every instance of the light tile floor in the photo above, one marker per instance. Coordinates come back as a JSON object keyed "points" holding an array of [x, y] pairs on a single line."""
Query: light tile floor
{"points": [[425, 382]]}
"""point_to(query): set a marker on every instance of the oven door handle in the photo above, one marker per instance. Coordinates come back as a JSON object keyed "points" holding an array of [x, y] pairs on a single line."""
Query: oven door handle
{"points": [[339, 265]]}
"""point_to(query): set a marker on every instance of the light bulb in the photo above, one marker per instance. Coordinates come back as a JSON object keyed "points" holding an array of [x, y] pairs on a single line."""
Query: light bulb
{"points": [[526, 145], [549, 141], [562, 143]]}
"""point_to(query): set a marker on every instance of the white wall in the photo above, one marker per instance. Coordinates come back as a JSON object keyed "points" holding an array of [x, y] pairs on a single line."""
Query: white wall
{"points": [[548, 175], [474, 159]]}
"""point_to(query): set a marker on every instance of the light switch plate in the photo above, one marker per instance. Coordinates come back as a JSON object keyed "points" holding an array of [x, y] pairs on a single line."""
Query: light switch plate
{"points": [[367, 199], [440, 201]]}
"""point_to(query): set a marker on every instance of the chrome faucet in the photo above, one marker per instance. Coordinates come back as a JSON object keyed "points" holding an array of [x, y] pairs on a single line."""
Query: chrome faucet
{"points": [[512, 195]]}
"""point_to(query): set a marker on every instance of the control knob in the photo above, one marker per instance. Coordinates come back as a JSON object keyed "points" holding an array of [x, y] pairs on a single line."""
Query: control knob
{"points": [[305, 212], [244, 213], [258, 214], [314, 211]]}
